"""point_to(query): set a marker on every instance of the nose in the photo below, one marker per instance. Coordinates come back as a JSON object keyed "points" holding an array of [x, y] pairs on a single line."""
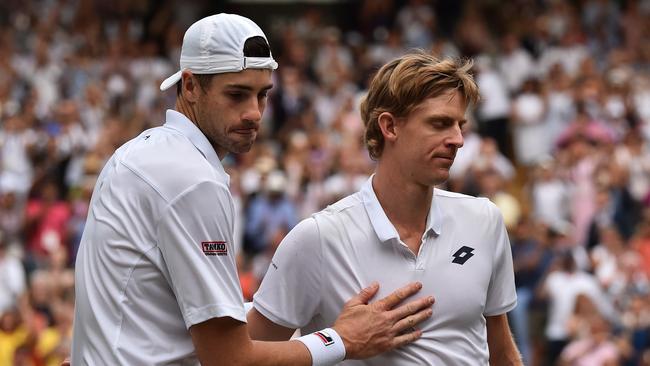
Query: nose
{"points": [[455, 137], [253, 111]]}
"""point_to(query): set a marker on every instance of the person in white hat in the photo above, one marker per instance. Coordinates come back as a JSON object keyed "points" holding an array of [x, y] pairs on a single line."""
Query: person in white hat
{"points": [[155, 277], [399, 227]]}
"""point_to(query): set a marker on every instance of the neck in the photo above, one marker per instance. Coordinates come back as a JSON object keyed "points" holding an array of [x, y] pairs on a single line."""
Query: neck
{"points": [[184, 107], [405, 203]]}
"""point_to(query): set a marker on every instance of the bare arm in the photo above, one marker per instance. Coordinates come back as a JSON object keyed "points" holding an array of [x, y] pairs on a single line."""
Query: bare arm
{"points": [[366, 330], [262, 329], [216, 339], [503, 351]]}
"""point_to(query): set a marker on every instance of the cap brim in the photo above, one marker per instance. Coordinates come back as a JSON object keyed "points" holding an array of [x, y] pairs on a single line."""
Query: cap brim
{"points": [[167, 83]]}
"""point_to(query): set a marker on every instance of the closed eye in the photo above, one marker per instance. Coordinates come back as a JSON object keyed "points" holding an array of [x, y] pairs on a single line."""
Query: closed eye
{"points": [[442, 123], [236, 96], [446, 122]]}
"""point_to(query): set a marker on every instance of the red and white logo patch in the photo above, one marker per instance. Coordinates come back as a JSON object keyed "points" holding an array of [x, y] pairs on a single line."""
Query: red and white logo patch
{"points": [[214, 247], [325, 337]]}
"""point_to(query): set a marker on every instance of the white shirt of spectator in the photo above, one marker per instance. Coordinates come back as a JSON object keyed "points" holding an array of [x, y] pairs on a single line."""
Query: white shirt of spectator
{"points": [[12, 280], [515, 67], [496, 101], [329, 257], [531, 133], [563, 289], [156, 256]]}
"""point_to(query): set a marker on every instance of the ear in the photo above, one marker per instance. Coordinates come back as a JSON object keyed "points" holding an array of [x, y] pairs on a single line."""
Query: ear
{"points": [[190, 87], [388, 125]]}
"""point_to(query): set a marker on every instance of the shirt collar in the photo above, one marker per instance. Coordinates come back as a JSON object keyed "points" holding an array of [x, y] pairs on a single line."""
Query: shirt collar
{"points": [[380, 222], [182, 124]]}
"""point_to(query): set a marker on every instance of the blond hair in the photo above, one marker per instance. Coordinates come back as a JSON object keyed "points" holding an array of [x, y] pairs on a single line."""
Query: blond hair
{"points": [[404, 83]]}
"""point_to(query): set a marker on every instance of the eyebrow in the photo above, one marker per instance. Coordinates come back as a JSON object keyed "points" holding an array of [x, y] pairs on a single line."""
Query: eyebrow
{"points": [[247, 87], [446, 119]]}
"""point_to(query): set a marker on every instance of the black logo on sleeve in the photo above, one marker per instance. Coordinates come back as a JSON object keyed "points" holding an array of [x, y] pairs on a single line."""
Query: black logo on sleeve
{"points": [[214, 248], [462, 255]]}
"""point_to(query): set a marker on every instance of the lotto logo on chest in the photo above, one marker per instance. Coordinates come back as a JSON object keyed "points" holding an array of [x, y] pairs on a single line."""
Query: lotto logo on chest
{"points": [[462, 255], [214, 248]]}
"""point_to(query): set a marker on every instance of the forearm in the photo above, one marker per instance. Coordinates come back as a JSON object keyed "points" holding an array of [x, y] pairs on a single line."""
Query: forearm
{"points": [[224, 341], [503, 351], [262, 354], [278, 353], [508, 356]]}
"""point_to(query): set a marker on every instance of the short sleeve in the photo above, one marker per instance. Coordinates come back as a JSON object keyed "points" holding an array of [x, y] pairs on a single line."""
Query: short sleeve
{"points": [[195, 239], [502, 295], [290, 292]]}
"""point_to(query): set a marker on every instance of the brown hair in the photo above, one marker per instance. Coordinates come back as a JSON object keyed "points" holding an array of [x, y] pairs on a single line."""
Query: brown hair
{"points": [[253, 47], [402, 84]]}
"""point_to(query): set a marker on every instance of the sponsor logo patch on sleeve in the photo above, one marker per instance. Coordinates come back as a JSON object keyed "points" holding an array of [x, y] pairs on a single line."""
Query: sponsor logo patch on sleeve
{"points": [[214, 248]]}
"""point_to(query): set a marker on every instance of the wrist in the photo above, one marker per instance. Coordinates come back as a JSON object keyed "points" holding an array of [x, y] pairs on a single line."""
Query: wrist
{"points": [[326, 347]]}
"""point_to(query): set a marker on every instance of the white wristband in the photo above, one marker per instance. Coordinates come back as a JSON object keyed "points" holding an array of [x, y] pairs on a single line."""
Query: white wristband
{"points": [[326, 347]]}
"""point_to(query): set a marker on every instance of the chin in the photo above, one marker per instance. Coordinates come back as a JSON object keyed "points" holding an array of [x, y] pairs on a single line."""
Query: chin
{"points": [[241, 148], [439, 179]]}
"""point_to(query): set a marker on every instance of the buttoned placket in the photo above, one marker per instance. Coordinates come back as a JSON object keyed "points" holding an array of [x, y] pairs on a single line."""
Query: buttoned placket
{"points": [[417, 261]]}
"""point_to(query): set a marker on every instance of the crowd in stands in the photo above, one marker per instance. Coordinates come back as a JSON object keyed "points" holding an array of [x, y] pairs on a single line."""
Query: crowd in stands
{"points": [[560, 141]]}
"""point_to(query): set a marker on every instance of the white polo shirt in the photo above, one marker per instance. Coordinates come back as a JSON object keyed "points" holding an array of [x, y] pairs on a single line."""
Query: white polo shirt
{"points": [[156, 254], [464, 262]]}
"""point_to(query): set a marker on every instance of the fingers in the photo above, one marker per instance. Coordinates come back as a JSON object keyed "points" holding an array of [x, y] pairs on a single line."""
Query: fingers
{"points": [[411, 307], [398, 296], [412, 320], [365, 295], [406, 338]]}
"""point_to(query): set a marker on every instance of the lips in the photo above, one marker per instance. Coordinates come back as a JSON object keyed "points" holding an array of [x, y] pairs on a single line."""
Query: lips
{"points": [[245, 131], [446, 157]]}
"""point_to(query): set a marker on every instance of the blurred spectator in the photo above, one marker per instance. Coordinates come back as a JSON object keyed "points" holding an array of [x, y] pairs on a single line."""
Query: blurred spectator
{"points": [[494, 109], [530, 130], [529, 254], [582, 161], [46, 222], [12, 278], [641, 241], [634, 157], [13, 335], [491, 185], [549, 195], [269, 212], [490, 157], [636, 323], [17, 143], [12, 216], [516, 65], [594, 349], [416, 22], [563, 286]]}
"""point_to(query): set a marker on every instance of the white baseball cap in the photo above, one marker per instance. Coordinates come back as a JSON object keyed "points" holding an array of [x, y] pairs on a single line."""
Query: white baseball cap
{"points": [[215, 45]]}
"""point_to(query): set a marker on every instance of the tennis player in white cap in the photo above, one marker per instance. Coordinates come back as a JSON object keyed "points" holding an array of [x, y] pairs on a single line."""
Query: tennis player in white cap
{"points": [[156, 282]]}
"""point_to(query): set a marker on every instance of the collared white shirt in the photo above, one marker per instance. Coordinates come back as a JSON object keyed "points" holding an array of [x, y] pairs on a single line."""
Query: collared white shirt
{"points": [[464, 261], [156, 256]]}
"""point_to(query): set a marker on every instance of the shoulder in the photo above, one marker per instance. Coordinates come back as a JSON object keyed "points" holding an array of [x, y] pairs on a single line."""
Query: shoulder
{"points": [[344, 204], [475, 204], [169, 162], [340, 212]]}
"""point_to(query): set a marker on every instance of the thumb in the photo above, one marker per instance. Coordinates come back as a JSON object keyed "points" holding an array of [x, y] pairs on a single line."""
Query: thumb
{"points": [[365, 295]]}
